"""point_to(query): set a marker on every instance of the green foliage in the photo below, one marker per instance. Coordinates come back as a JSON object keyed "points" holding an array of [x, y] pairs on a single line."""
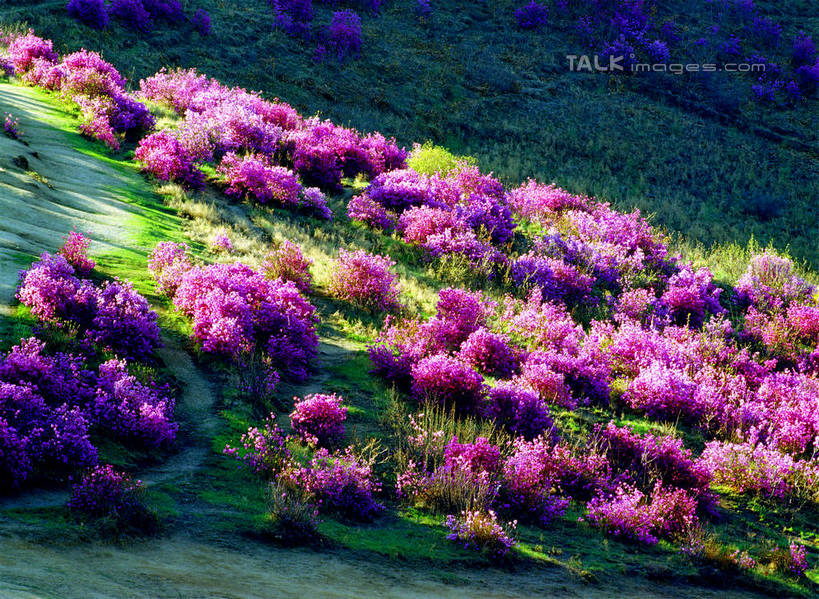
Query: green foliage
{"points": [[429, 159]]}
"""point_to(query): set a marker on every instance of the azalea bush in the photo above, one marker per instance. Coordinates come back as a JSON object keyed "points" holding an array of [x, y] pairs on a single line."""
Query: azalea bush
{"points": [[366, 280]]}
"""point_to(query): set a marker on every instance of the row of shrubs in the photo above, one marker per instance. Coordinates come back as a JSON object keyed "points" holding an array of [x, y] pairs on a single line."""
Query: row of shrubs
{"points": [[138, 15]]}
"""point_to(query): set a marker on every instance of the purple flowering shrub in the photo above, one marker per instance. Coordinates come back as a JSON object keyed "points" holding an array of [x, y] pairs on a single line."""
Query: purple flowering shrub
{"points": [[319, 419], [93, 13], [520, 409], [343, 482], [344, 34], [532, 16], [263, 450], [446, 380], [482, 532], [106, 493], [168, 262], [132, 14], [112, 315], [366, 280], [164, 156], [75, 251], [286, 262], [489, 353], [237, 310], [201, 22]]}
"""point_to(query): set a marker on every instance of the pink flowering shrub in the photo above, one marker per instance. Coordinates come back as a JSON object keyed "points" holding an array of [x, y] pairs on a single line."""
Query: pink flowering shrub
{"points": [[319, 419], [162, 155], [446, 380], [220, 243], [365, 210], [168, 262], [482, 532], [25, 50], [251, 177], [342, 482], [112, 315], [263, 450], [365, 279], [287, 262], [489, 353], [75, 251], [236, 311], [757, 468], [628, 514]]}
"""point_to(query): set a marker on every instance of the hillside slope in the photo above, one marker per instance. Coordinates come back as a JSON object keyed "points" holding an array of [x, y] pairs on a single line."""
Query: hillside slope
{"points": [[703, 158]]}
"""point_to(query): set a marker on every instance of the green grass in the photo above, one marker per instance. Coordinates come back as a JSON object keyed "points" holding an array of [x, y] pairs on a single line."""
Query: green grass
{"points": [[471, 81]]}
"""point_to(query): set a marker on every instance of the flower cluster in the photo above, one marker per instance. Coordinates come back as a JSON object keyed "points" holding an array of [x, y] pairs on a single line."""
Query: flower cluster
{"points": [[365, 279], [112, 315], [11, 126], [75, 251], [105, 492], [87, 80], [319, 419], [237, 310], [287, 262], [482, 532], [164, 156]]}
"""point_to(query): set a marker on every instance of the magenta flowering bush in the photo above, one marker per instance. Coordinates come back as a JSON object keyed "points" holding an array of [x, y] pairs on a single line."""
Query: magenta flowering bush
{"points": [[319, 419], [365, 279], [25, 50], [446, 380], [112, 315], [490, 353], [482, 532], [103, 492], [343, 483], [164, 156], [168, 262], [369, 212], [623, 514], [287, 262], [201, 22], [263, 450], [236, 311], [75, 251]]}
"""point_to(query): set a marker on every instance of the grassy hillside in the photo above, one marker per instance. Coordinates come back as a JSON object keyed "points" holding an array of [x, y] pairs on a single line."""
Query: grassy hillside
{"points": [[213, 512], [699, 155]]}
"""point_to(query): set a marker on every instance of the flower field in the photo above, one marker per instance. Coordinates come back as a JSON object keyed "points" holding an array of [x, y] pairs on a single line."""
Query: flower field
{"points": [[400, 340]]}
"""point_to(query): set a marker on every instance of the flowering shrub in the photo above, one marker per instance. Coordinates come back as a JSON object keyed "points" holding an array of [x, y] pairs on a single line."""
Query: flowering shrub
{"points": [[364, 209], [520, 409], [75, 251], [104, 492], [168, 262], [113, 315], [798, 561], [532, 16], [292, 513], [132, 13], [264, 450], [25, 50], [482, 532], [201, 22], [132, 410], [343, 482], [446, 380], [623, 514], [220, 243], [236, 310], [489, 353], [286, 262], [344, 34], [365, 279], [162, 155], [11, 126], [93, 13], [319, 419]]}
